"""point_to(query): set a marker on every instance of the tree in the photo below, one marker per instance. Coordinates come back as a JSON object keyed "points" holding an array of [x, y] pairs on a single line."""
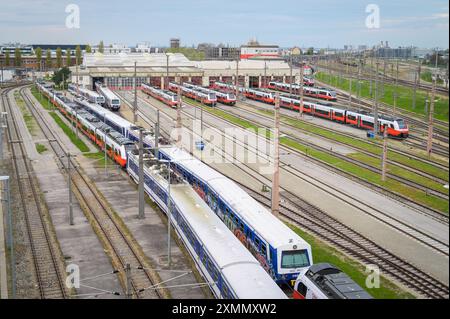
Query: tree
{"points": [[38, 52], [88, 49], [58, 76], [48, 59], [310, 51], [58, 58], [101, 47], [78, 55], [7, 58], [17, 57], [68, 57]]}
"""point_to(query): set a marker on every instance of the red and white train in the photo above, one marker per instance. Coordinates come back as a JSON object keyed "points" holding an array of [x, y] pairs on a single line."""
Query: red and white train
{"points": [[167, 97], [325, 281], [319, 93], [223, 97], [253, 94], [396, 127], [209, 99]]}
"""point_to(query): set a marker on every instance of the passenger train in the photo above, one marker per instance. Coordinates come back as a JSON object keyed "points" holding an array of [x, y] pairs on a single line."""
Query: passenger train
{"points": [[209, 99], [325, 281], [280, 250], [91, 96], [112, 101], [396, 127], [319, 93], [230, 269], [167, 97], [227, 98], [217, 253], [253, 94]]}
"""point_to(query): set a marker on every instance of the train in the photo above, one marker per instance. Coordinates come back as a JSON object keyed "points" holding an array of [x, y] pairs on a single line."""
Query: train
{"points": [[281, 252], [325, 281], [229, 268], [315, 92], [165, 96], [227, 98], [253, 94], [247, 218], [222, 260], [91, 96], [308, 81], [112, 101], [209, 99], [396, 127]]}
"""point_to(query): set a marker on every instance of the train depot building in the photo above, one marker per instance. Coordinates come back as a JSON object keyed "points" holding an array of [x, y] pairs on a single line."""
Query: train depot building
{"points": [[117, 70]]}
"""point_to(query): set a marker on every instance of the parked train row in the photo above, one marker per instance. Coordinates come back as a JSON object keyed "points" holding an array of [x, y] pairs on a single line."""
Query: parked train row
{"points": [[202, 212], [315, 92], [396, 127], [112, 101], [207, 98], [228, 98], [281, 252], [167, 97]]}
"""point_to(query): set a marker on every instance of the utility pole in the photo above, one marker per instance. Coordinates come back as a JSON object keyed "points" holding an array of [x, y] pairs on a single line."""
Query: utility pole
{"points": [[3, 125], [128, 277], [135, 106], [157, 135], [69, 184], [237, 78], [265, 75], [10, 242], [430, 114], [169, 218], [105, 146], [414, 90], [276, 160], [78, 85], [179, 124], [375, 120], [166, 81], [350, 93], [290, 75], [141, 175], [302, 83], [395, 89], [384, 155]]}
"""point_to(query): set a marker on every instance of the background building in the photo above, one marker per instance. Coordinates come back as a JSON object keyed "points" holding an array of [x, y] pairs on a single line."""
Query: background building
{"points": [[254, 50], [175, 43]]}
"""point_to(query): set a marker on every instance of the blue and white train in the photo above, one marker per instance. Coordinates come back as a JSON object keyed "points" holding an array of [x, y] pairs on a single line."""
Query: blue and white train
{"points": [[233, 273]]}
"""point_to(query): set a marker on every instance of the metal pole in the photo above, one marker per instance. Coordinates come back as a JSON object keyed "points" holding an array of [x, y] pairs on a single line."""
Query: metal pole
{"points": [[426, 105], [169, 218], [290, 75], [135, 96], [302, 83], [141, 175], [375, 120], [10, 240], [105, 146], [350, 93], [414, 90], [179, 124], [384, 155], [276, 160], [395, 90], [237, 79], [166, 82], [69, 185], [128, 276], [430, 114], [157, 135], [265, 74]]}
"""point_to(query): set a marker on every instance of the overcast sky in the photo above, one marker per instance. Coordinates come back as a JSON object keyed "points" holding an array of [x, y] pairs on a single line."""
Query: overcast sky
{"points": [[318, 23]]}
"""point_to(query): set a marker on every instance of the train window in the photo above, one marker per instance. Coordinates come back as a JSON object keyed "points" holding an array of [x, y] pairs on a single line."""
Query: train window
{"points": [[338, 114], [302, 289], [367, 123], [294, 259], [351, 117], [264, 250], [391, 125], [241, 226], [257, 241]]}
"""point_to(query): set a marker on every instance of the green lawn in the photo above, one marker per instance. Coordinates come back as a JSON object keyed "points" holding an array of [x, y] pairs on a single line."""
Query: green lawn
{"points": [[40, 148], [42, 99], [27, 116], [323, 252], [69, 132], [405, 95], [365, 174]]}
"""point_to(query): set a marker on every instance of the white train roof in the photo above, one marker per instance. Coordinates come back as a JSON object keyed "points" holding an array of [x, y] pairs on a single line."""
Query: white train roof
{"points": [[120, 121], [108, 93], [276, 233]]}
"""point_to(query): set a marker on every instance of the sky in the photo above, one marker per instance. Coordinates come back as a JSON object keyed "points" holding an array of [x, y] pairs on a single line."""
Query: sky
{"points": [[288, 23]]}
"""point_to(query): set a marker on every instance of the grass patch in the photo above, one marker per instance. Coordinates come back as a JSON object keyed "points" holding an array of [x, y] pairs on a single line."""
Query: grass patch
{"points": [[40, 148], [70, 134], [46, 104], [404, 100], [365, 174], [27, 117], [323, 252], [366, 146]]}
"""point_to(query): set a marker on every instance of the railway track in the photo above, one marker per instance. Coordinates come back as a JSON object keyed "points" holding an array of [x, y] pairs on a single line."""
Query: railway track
{"points": [[440, 194], [352, 243], [121, 248], [47, 258], [397, 224]]}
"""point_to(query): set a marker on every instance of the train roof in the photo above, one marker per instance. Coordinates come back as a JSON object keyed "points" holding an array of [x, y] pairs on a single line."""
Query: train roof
{"points": [[241, 269], [334, 283], [264, 223], [120, 121], [107, 92]]}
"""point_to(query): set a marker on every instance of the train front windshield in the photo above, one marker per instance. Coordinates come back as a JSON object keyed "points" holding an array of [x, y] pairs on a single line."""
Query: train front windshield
{"points": [[401, 124], [115, 102], [295, 259], [231, 96]]}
